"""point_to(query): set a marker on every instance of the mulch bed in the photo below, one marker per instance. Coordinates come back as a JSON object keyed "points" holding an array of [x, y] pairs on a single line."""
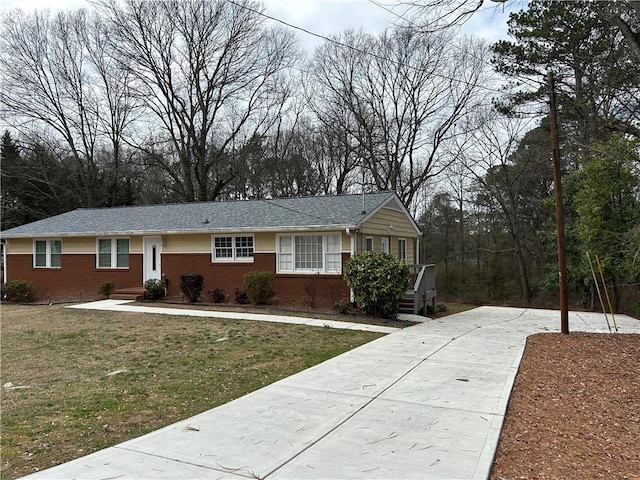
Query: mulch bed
{"points": [[574, 412]]}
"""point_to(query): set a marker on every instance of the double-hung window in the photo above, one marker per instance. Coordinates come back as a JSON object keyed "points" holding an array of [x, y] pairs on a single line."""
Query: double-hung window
{"points": [[47, 253], [368, 244], [113, 253], [309, 253], [238, 248], [402, 249], [384, 245]]}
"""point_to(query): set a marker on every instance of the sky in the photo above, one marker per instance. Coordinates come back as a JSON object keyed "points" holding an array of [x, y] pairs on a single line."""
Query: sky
{"points": [[327, 17]]}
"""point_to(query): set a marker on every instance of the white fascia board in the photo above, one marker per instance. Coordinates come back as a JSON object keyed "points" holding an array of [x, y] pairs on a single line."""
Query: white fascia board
{"points": [[186, 232]]}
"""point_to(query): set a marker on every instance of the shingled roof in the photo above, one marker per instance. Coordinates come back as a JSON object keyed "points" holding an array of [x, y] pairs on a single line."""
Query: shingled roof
{"points": [[319, 212]]}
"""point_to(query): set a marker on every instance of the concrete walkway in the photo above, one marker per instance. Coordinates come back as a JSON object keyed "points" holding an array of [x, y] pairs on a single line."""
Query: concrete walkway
{"points": [[130, 306], [425, 402]]}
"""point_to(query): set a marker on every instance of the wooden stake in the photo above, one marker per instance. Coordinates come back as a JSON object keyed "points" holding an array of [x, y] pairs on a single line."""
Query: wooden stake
{"points": [[595, 280], [606, 294]]}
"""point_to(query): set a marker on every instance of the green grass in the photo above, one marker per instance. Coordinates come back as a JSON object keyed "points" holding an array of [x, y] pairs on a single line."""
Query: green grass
{"points": [[172, 367]]}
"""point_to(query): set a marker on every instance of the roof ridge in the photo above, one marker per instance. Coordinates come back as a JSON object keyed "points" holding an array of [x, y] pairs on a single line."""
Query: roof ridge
{"points": [[286, 212], [231, 200]]}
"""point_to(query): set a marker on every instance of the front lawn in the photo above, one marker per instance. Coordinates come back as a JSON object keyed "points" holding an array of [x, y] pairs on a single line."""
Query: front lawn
{"points": [[76, 381]]}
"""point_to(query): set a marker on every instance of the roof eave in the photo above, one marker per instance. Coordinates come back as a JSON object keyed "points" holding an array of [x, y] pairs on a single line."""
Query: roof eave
{"points": [[127, 233]]}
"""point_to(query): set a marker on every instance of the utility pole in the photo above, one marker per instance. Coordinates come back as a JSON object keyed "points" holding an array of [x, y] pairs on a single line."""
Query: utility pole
{"points": [[562, 259]]}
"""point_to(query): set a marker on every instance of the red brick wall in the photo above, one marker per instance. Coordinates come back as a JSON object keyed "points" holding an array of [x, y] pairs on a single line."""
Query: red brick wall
{"points": [[296, 289], [227, 276], [78, 278], [289, 288]]}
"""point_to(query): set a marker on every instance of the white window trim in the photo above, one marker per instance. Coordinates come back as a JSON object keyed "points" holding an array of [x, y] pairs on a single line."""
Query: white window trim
{"points": [[384, 241], [47, 252], [325, 253], [404, 240], [366, 240], [234, 258], [114, 253]]}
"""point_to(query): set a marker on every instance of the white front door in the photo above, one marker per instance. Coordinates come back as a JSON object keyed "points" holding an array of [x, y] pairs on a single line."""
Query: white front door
{"points": [[151, 258]]}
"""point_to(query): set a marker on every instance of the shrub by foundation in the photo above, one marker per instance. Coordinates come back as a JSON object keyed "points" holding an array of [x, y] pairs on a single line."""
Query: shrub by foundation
{"points": [[217, 295], [20, 291], [191, 285], [259, 286], [379, 281], [153, 289], [241, 296], [106, 288]]}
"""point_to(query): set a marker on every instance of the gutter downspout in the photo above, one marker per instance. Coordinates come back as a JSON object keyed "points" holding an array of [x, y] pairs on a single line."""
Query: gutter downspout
{"points": [[4, 262], [352, 253]]}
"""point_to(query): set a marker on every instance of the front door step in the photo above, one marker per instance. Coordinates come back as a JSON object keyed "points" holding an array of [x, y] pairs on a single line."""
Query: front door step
{"points": [[130, 293]]}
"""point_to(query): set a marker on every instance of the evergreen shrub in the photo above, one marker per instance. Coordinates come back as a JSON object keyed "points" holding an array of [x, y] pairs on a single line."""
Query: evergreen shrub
{"points": [[20, 291], [191, 285], [106, 288], [217, 295], [379, 282], [241, 296], [153, 289], [259, 286]]}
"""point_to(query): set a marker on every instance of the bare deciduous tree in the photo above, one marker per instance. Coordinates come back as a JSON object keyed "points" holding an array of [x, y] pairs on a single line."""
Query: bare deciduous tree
{"points": [[59, 84], [435, 15], [504, 180], [211, 74], [400, 96], [45, 85]]}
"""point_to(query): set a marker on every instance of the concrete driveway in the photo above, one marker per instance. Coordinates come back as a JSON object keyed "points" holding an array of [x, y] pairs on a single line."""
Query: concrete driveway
{"points": [[424, 402]]}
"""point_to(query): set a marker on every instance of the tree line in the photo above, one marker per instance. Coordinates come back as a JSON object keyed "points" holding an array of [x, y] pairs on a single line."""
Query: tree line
{"points": [[193, 100], [495, 218]]}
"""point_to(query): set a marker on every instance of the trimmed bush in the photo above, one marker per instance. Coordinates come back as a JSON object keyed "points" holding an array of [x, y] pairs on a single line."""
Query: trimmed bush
{"points": [[191, 285], [259, 285], [153, 289], [379, 281], [344, 308], [241, 296], [311, 285], [20, 291], [106, 288], [217, 295]]}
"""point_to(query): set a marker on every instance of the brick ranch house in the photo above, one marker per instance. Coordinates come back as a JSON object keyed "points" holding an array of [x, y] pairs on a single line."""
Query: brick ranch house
{"points": [[305, 241]]}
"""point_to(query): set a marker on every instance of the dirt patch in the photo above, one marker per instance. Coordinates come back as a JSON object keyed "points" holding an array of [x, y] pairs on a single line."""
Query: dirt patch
{"points": [[574, 411]]}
